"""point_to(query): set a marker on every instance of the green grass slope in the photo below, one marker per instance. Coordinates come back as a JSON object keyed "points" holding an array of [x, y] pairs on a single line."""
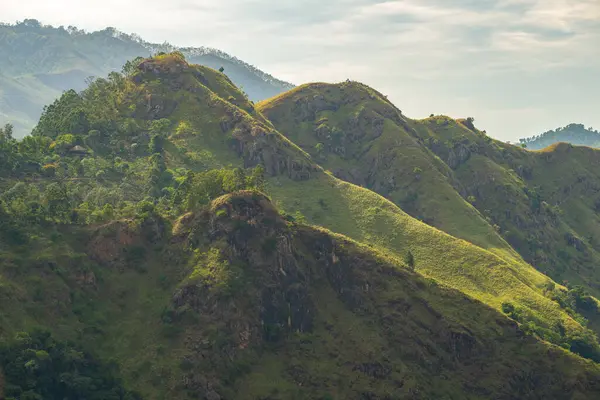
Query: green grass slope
{"points": [[233, 301], [544, 203], [453, 176], [354, 132], [144, 134]]}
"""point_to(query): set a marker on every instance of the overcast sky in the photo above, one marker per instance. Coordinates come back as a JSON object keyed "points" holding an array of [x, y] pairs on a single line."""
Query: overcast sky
{"points": [[519, 67]]}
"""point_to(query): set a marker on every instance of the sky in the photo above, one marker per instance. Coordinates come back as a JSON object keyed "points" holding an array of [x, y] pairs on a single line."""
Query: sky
{"points": [[519, 67]]}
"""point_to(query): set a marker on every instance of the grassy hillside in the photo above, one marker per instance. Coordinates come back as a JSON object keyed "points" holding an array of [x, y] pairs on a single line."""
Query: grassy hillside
{"points": [[94, 238], [42, 61], [359, 136], [235, 301], [551, 197], [453, 176]]}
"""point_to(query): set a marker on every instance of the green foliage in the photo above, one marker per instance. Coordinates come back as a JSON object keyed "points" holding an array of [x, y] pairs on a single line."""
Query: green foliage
{"points": [[91, 246], [200, 188], [505, 218], [65, 115], [156, 144], [409, 259], [319, 147], [35, 366], [6, 133], [131, 66], [583, 342]]}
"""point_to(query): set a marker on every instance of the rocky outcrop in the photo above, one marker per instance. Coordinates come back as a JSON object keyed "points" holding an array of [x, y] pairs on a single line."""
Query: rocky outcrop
{"points": [[306, 108], [256, 144], [458, 155]]}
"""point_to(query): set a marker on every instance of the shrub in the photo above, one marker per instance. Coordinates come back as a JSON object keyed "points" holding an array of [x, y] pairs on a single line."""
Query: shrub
{"points": [[409, 259]]}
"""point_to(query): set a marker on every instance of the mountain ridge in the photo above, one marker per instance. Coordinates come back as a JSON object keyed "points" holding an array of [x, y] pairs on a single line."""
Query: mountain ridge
{"points": [[51, 60]]}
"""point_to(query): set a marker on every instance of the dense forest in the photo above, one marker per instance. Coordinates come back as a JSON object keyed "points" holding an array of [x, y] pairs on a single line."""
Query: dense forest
{"points": [[163, 236]]}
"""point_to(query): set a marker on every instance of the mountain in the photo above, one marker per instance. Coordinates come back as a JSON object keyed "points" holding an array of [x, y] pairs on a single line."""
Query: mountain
{"points": [[237, 302], [43, 61], [575, 134], [161, 220], [453, 176]]}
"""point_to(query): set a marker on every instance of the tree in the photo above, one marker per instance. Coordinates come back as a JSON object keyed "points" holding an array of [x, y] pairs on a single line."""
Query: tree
{"points": [[319, 147], [62, 116], [6, 133], [36, 366], [221, 70], [178, 54], [57, 200], [160, 127], [470, 123], [409, 259], [257, 178], [234, 180], [156, 144]]}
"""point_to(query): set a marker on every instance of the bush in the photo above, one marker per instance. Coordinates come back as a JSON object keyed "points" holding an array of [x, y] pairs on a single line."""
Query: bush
{"points": [[36, 367], [409, 259]]}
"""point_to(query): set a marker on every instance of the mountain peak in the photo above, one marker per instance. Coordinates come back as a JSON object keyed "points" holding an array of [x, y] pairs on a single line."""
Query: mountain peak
{"points": [[163, 64]]}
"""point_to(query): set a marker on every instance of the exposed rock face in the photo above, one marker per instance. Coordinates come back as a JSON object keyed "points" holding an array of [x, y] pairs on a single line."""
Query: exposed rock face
{"points": [[118, 243], [458, 155], [111, 241], [274, 301], [307, 109], [258, 145], [156, 67]]}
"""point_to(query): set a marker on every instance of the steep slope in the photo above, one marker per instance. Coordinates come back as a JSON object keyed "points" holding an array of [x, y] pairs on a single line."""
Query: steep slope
{"points": [[551, 197], [236, 302], [160, 135], [575, 134], [359, 136], [543, 204], [42, 61]]}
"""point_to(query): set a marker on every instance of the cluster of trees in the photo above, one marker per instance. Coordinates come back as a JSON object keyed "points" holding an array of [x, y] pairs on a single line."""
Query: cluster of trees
{"points": [[572, 133], [74, 201], [119, 161], [573, 300], [35, 366]]}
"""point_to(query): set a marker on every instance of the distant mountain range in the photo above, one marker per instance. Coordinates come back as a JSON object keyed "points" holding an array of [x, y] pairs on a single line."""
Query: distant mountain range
{"points": [[39, 62], [576, 134]]}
